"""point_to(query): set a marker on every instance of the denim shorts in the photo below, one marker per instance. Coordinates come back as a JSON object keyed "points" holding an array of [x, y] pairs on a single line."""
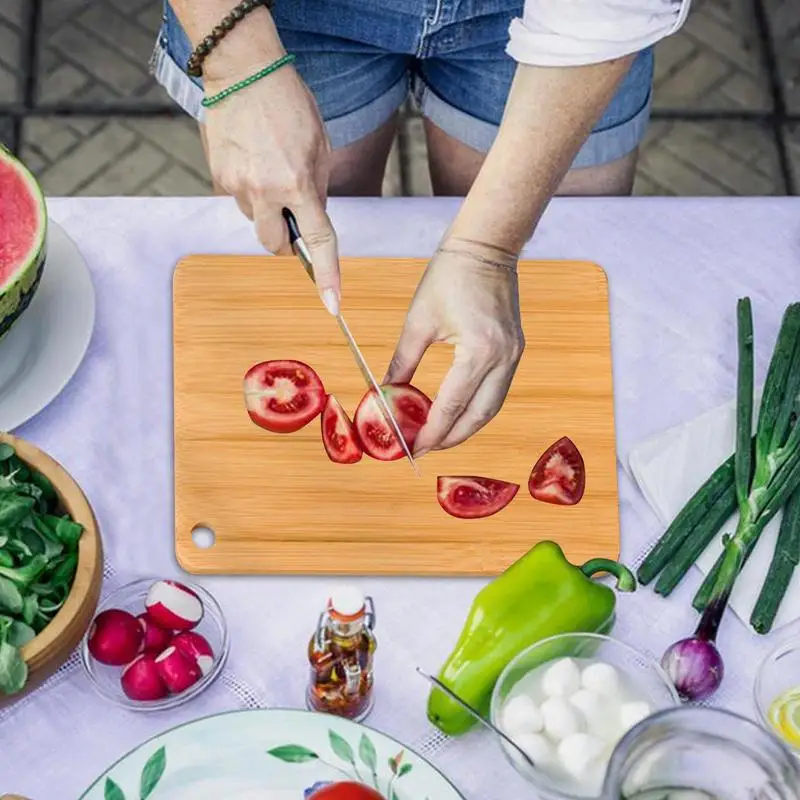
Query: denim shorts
{"points": [[362, 59]]}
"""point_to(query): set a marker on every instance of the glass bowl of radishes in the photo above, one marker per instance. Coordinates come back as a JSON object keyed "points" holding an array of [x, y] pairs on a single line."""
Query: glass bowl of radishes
{"points": [[155, 644]]}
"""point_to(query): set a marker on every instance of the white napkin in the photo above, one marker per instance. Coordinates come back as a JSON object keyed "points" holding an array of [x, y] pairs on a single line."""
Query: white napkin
{"points": [[670, 467]]}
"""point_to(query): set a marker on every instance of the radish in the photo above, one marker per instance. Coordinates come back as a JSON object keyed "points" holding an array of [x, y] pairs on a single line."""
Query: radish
{"points": [[141, 680], [195, 647], [173, 606], [155, 637], [177, 671], [115, 637]]}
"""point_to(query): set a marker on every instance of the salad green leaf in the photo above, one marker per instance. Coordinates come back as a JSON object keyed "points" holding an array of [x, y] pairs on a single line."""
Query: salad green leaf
{"points": [[38, 561]]}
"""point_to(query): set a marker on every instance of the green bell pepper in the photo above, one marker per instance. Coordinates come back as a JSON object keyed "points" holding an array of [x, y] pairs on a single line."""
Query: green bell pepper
{"points": [[540, 595]]}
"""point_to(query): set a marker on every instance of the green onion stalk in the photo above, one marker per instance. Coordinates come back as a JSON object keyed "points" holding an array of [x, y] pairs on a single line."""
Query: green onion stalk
{"points": [[764, 483]]}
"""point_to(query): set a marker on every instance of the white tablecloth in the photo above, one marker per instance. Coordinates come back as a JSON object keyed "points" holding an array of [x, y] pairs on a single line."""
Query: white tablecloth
{"points": [[676, 268]]}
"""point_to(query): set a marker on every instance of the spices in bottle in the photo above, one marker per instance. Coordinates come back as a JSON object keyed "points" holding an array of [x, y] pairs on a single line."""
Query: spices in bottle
{"points": [[341, 654]]}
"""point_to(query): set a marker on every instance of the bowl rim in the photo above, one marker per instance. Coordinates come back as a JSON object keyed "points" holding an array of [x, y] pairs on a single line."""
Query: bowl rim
{"points": [[85, 587], [546, 785], [170, 701], [787, 645]]}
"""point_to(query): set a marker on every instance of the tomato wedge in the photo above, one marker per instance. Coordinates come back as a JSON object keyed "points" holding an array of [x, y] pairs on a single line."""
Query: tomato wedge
{"points": [[283, 396], [410, 407], [338, 434], [559, 476], [472, 497]]}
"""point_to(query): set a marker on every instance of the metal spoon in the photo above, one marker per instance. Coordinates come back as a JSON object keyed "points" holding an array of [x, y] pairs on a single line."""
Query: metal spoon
{"points": [[485, 722]]}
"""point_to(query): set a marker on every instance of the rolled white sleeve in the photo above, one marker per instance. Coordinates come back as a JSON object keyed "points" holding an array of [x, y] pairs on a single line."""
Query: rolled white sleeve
{"points": [[562, 33]]}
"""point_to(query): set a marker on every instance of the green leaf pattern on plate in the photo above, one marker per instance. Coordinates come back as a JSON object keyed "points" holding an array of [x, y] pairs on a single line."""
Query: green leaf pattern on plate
{"points": [[344, 751], [112, 792], [156, 765], [152, 772]]}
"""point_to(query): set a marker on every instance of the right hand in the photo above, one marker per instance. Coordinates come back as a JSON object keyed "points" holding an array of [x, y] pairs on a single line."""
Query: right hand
{"points": [[267, 147]]}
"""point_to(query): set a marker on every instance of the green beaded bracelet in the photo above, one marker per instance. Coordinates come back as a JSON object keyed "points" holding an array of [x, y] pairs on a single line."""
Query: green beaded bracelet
{"points": [[243, 84]]}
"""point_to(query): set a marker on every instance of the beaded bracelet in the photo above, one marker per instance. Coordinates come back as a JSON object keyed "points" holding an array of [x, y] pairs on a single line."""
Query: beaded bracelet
{"points": [[194, 66], [207, 102]]}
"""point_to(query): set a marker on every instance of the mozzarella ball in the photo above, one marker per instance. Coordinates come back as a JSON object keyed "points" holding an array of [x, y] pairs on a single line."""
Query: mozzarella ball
{"points": [[561, 678], [579, 753], [538, 749], [521, 715], [560, 718], [601, 678], [589, 703], [631, 714]]}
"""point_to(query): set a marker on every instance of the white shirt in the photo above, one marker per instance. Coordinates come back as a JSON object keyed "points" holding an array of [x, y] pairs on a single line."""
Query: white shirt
{"points": [[563, 33]]}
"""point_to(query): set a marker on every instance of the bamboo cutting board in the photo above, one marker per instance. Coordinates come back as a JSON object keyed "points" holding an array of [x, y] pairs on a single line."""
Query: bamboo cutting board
{"points": [[277, 504]]}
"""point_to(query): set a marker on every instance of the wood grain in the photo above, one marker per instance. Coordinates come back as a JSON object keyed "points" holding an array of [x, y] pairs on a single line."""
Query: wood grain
{"points": [[277, 504], [53, 646]]}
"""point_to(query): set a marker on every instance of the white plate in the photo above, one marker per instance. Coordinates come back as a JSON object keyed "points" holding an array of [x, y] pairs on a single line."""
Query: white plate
{"points": [[46, 345], [268, 754]]}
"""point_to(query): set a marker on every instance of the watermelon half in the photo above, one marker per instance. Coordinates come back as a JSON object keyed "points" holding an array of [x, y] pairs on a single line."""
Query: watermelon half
{"points": [[23, 238]]}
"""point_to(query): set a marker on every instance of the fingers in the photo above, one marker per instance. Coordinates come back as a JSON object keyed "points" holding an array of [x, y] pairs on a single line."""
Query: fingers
{"points": [[270, 226], [485, 405], [409, 351], [318, 234], [455, 395]]}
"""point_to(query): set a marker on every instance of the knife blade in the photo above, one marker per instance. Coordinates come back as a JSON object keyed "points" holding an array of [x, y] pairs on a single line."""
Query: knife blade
{"points": [[302, 252]]}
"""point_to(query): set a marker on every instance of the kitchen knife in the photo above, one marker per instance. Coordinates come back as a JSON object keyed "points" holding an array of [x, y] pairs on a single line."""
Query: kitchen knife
{"points": [[301, 251]]}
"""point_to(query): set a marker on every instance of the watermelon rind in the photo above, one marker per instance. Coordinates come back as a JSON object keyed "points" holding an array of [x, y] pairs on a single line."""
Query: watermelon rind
{"points": [[16, 294]]}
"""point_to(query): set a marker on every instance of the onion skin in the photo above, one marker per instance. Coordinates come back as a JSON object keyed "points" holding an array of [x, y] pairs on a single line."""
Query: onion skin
{"points": [[695, 668]]}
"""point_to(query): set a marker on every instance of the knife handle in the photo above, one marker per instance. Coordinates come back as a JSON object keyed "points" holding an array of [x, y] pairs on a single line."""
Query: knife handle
{"points": [[298, 245], [291, 222]]}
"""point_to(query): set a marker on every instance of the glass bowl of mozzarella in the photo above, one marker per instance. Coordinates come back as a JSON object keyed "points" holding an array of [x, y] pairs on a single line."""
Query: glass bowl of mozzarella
{"points": [[567, 700]]}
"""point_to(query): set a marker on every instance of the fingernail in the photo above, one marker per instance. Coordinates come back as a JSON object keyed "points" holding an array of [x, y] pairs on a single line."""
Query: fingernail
{"points": [[422, 452], [331, 301]]}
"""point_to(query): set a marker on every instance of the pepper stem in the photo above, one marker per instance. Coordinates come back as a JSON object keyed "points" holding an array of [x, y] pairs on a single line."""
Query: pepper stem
{"points": [[626, 582]]}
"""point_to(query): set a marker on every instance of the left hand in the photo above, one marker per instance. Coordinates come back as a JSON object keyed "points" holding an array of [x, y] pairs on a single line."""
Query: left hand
{"points": [[468, 297]]}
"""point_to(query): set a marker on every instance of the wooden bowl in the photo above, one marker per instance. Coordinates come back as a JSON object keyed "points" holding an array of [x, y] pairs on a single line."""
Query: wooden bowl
{"points": [[53, 646]]}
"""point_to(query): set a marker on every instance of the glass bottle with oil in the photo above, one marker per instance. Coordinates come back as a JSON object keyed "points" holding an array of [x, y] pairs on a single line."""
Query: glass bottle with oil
{"points": [[341, 656]]}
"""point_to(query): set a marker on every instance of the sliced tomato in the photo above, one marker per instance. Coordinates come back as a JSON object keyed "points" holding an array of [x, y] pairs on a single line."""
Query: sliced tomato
{"points": [[410, 408], [338, 434], [345, 790], [472, 497], [283, 396], [559, 476]]}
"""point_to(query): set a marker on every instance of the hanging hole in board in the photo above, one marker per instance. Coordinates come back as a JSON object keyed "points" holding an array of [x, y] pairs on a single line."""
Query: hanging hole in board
{"points": [[203, 537]]}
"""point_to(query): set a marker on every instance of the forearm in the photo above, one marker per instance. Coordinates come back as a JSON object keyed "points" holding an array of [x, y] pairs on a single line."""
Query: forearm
{"points": [[252, 43], [549, 114]]}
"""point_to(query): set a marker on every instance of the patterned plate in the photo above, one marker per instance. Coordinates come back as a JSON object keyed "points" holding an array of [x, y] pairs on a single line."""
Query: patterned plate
{"points": [[269, 754]]}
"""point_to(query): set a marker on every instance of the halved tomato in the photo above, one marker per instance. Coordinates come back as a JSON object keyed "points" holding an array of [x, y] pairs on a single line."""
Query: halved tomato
{"points": [[283, 396], [559, 476], [472, 497], [345, 790], [410, 407], [338, 434]]}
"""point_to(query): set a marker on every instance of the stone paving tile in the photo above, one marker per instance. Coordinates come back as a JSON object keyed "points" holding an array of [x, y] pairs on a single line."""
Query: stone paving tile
{"points": [[11, 44], [6, 131], [714, 62], [90, 156], [792, 138], [784, 22], [104, 47], [709, 158]]}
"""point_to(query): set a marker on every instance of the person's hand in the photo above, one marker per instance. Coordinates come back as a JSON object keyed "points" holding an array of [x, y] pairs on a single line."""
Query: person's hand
{"points": [[468, 297], [268, 148]]}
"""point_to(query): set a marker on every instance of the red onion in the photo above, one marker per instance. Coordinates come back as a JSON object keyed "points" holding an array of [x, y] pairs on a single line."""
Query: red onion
{"points": [[694, 665], [695, 668]]}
